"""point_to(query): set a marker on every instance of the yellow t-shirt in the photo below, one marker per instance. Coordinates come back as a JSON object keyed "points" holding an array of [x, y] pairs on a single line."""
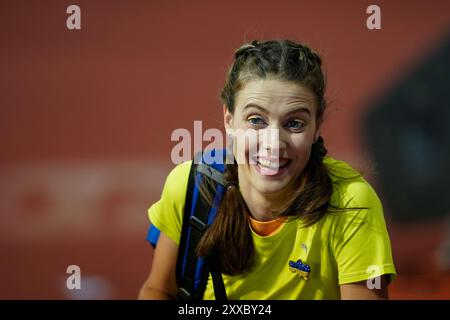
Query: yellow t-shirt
{"points": [[341, 248]]}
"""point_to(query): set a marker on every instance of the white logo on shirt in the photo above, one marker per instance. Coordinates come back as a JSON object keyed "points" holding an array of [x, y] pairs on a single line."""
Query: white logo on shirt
{"points": [[304, 247]]}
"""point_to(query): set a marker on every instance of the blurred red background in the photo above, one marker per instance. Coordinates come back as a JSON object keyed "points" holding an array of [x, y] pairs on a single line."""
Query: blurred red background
{"points": [[86, 117]]}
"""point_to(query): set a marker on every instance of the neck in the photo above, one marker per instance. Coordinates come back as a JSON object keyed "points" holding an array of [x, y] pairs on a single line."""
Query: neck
{"points": [[263, 206]]}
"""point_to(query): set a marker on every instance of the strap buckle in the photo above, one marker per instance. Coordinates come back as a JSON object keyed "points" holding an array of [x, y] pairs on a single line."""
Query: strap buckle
{"points": [[183, 294], [197, 224]]}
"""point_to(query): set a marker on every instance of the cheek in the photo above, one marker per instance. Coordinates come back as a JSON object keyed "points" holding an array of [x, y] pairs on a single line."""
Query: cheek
{"points": [[301, 147], [301, 141], [245, 143], [246, 150]]}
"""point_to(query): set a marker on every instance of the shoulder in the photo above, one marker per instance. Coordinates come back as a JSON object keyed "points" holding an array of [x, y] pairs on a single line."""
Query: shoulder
{"points": [[358, 205], [349, 186], [357, 235], [167, 213], [177, 180]]}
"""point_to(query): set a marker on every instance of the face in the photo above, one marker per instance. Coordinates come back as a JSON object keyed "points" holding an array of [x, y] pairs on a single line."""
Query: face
{"points": [[283, 115]]}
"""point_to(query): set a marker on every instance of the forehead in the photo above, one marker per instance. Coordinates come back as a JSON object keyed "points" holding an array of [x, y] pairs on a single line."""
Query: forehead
{"points": [[273, 92]]}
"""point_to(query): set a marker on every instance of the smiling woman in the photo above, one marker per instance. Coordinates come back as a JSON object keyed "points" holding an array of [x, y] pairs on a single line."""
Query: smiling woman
{"points": [[294, 223], [291, 110]]}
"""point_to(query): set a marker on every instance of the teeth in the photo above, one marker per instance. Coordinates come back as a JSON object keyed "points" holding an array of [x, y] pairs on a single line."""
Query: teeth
{"points": [[272, 164], [269, 164]]}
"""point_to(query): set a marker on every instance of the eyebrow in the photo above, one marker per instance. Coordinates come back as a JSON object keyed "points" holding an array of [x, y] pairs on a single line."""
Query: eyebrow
{"points": [[299, 109]]}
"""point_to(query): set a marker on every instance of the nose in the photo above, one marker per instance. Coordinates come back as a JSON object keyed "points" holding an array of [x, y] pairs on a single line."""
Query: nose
{"points": [[270, 143]]}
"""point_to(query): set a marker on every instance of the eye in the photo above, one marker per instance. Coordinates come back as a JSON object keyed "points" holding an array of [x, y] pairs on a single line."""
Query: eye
{"points": [[296, 125], [256, 121]]}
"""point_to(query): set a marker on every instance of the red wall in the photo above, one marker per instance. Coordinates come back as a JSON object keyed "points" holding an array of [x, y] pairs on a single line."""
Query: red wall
{"points": [[86, 117]]}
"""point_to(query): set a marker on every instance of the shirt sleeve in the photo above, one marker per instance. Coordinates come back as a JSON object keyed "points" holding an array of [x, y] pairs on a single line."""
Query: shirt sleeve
{"points": [[360, 241], [167, 213]]}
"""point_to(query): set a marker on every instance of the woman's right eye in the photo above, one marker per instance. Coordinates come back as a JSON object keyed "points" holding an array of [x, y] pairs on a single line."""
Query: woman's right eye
{"points": [[256, 121]]}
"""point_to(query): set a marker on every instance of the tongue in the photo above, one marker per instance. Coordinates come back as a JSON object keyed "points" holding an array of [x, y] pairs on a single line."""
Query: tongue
{"points": [[268, 171]]}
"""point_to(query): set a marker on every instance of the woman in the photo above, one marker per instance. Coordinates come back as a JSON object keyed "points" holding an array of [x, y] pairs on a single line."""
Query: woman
{"points": [[294, 223]]}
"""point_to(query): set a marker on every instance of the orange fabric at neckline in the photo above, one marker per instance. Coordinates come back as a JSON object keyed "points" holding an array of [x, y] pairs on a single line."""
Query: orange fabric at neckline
{"points": [[265, 228]]}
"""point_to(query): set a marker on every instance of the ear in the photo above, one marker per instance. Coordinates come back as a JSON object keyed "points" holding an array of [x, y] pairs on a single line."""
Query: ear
{"points": [[316, 135], [317, 132], [227, 118]]}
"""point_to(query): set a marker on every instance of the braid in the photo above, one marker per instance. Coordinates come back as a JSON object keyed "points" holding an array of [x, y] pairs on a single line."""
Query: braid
{"points": [[246, 49], [318, 149], [307, 55], [230, 230]]}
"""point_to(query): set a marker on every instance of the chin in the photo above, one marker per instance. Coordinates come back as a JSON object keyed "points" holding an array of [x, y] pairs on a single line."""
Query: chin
{"points": [[272, 188]]}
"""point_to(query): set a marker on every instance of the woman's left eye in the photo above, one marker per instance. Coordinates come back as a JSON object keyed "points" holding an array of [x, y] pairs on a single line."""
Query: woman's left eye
{"points": [[295, 124]]}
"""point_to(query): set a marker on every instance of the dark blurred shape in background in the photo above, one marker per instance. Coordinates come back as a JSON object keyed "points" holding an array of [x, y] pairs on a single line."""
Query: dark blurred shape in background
{"points": [[408, 134], [407, 130]]}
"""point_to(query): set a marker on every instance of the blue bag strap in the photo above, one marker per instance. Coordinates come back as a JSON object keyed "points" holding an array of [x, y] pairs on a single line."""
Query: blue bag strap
{"points": [[192, 272]]}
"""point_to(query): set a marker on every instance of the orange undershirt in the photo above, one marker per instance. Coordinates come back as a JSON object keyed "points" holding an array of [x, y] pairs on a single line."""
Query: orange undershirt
{"points": [[266, 228]]}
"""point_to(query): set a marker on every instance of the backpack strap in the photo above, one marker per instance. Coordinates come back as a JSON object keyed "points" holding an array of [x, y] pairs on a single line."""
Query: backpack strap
{"points": [[192, 271], [216, 274]]}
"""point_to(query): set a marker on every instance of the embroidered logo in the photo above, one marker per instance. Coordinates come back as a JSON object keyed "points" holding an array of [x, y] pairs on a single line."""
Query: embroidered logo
{"points": [[300, 268]]}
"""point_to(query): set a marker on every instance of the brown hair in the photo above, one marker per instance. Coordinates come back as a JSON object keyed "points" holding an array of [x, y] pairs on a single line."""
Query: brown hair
{"points": [[230, 234]]}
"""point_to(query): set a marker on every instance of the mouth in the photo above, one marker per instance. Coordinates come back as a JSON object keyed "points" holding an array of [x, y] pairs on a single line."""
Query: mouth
{"points": [[273, 166]]}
